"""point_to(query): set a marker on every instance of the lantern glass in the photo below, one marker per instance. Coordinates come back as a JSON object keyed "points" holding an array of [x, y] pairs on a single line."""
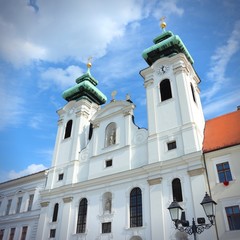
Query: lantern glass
{"points": [[175, 211], [208, 205]]}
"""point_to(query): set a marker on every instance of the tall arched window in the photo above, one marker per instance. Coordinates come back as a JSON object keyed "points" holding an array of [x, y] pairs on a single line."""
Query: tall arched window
{"points": [[165, 90], [177, 190], [55, 213], [82, 216], [90, 131], [193, 93], [110, 134], [68, 129], [136, 207]]}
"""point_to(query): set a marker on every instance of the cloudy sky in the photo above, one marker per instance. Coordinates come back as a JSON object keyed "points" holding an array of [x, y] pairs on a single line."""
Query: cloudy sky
{"points": [[45, 44]]}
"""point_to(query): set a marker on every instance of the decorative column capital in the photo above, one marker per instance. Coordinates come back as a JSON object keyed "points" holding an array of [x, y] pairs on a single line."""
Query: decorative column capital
{"points": [[196, 172], [44, 204], [154, 181], [96, 125], [60, 122], [67, 199], [148, 82]]}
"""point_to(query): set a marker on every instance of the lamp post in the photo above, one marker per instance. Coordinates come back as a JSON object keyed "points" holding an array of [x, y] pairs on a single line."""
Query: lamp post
{"points": [[183, 225]]}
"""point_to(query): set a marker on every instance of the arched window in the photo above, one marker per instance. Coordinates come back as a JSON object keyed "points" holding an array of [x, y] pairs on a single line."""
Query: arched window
{"points": [[68, 129], [193, 93], [55, 213], [82, 216], [90, 131], [165, 90], [107, 202], [177, 190], [110, 134], [136, 207]]}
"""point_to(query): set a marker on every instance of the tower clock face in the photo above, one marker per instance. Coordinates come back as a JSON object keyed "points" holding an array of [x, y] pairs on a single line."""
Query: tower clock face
{"points": [[162, 69]]}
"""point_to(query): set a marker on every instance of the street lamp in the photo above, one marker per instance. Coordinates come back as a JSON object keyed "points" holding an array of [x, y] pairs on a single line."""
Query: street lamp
{"points": [[182, 225]]}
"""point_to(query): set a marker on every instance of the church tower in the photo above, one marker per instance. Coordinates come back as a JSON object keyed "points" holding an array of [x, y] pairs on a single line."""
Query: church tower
{"points": [[175, 116], [74, 128]]}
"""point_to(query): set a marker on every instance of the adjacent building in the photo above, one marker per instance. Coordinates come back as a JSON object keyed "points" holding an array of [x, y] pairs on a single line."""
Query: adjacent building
{"points": [[110, 179], [221, 152], [20, 206]]}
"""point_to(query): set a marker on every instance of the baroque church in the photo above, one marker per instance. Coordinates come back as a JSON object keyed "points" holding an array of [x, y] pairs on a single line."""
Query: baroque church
{"points": [[110, 179]]}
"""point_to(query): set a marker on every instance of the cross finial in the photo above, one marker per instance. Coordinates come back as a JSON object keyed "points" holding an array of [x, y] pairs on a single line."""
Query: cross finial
{"points": [[89, 64], [163, 23]]}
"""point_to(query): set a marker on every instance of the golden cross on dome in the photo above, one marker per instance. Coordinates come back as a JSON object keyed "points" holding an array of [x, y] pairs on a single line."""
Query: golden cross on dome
{"points": [[163, 23]]}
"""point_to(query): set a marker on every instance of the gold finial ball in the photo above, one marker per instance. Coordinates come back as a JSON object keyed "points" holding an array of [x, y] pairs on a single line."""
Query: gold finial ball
{"points": [[163, 25], [89, 65]]}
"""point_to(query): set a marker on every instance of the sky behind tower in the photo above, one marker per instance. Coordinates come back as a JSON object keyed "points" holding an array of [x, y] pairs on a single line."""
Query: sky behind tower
{"points": [[44, 47]]}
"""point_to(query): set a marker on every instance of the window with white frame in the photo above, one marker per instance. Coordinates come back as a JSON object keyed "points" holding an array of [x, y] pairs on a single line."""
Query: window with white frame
{"points": [[1, 233], [171, 145], [108, 163], [30, 202], [82, 216], [60, 176], [12, 233], [52, 233], [165, 90], [8, 206], [19, 203], [106, 227], [224, 172], [233, 217], [55, 212], [68, 129], [24, 232], [136, 208]]}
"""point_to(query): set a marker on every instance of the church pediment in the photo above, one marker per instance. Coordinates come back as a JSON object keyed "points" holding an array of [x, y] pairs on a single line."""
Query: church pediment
{"points": [[114, 108]]}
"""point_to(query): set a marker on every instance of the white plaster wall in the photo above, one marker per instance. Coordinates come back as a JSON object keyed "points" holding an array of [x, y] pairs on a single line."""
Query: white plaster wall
{"points": [[225, 196], [21, 187]]}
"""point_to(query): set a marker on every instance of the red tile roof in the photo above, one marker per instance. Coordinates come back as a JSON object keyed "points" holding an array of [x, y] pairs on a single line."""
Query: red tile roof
{"points": [[221, 132]]}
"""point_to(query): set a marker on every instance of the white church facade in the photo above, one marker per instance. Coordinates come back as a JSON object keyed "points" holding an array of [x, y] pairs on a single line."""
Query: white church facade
{"points": [[110, 179]]}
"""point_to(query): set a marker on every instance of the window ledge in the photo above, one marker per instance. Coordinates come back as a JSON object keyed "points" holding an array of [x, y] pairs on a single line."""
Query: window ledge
{"points": [[230, 182], [111, 146], [166, 101], [135, 228]]}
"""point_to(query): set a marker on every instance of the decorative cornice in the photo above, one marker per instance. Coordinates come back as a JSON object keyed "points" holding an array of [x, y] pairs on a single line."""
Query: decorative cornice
{"points": [[60, 122], [82, 113], [180, 67], [148, 82], [196, 172]]}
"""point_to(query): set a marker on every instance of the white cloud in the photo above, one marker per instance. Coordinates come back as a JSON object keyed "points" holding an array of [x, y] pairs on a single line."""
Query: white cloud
{"points": [[56, 30], [36, 121], [61, 78], [167, 8], [219, 105], [12, 107], [220, 60], [33, 168]]}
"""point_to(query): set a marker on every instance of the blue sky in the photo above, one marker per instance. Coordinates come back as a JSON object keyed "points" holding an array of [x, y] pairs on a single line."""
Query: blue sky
{"points": [[44, 47]]}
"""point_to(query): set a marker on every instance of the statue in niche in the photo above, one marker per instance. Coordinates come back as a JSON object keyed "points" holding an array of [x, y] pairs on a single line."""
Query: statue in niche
{"points": [[108, 205], [112, 137]]}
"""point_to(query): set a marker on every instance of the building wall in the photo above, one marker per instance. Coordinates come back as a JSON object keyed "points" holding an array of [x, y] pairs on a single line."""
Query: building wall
{"points": [[225, 195], [155, 182], [26, 216]]}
